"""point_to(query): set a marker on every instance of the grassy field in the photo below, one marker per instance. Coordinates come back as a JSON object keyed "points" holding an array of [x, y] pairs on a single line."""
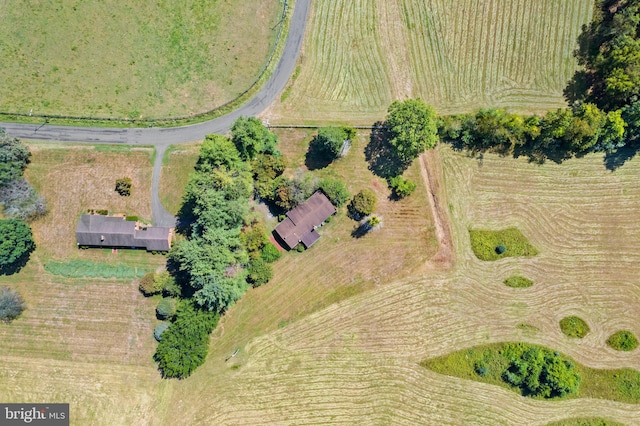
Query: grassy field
{"points": [[177, 164], [131, 59], [360, 55]]}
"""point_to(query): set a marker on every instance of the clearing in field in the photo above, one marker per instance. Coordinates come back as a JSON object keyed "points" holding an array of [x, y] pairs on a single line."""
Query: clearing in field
{"points": [[129, 58], [360, 55]]}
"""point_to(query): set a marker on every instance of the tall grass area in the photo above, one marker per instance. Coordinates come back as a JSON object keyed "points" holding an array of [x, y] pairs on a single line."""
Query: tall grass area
{"points": [[487, 364], [494, 245], [574, 327], [586, 421], [82, 268], [120, 58]]}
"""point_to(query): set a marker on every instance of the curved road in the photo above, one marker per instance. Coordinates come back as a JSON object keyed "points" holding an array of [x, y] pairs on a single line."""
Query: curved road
{"points": [[161, 138]]}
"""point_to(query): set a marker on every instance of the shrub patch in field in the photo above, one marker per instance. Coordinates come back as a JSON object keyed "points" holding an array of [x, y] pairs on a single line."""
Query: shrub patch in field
{"points": [[83, 268], [518, 281], [585, 421], [623, 340], [494, 245], [574, 327], [527, 368]]}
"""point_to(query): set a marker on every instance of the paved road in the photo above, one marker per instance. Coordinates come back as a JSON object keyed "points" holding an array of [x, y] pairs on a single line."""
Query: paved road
{"points": [[161, 138]]}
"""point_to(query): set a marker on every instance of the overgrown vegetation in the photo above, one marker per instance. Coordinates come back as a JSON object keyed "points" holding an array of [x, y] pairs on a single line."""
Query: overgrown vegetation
{"points": [[494, 245], [16, 245], [19, 199], [623, 340], [401, 187], [123, 186], [11, 304], [518, 281], [335, 190], [574, 327], [85, 268], [539, 372]]}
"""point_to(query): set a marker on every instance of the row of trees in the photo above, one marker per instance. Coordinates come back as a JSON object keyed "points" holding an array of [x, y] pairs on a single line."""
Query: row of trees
{"points": [[226, 250]]}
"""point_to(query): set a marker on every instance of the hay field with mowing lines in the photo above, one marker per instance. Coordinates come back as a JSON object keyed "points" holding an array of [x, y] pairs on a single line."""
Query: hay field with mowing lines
{"points": [[356, 361], [360, 55], [115, 58]]}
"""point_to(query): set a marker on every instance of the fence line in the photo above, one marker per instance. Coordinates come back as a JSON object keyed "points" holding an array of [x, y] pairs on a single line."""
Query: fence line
{"points": [[179, 118]]}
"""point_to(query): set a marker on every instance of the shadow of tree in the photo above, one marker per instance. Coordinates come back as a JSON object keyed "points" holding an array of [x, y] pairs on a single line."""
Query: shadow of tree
{"points": [[361, 230], [315, 158], [615, 159], [16, 266], [381, 155]]}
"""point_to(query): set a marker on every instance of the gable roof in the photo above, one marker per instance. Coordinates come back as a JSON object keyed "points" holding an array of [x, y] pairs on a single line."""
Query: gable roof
{"points": [[300, 224], [108, 231]]}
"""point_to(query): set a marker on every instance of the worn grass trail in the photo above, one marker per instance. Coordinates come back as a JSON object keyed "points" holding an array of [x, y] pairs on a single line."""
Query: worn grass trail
{"points": [[360, 55]]}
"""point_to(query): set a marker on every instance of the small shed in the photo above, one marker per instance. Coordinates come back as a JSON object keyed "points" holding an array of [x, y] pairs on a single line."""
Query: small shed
{"points": [[301, 223]]}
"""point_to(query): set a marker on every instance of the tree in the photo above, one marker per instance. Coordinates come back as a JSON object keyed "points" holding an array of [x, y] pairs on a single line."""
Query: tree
{"points": [[14, 157], [16, 244], [123, 186], [252, 138], [216, 151], [21, 201], [335, 190], [402, 187], [540, 372], [148, 285], [329, 141], [363, 203], [259, 272], [11, 304], [270, 253], [166, 308], [184, 345], [412, 125]]}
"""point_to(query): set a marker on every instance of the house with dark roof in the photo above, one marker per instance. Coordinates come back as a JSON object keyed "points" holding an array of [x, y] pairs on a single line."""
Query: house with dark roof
{"points": [[301, 223], [95, 230]]}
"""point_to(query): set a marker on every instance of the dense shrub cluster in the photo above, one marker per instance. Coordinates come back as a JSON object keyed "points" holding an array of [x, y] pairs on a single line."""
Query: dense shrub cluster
{"points": [[518, 281], [123, 186], [16, 245], [166, 308], [574, 327], [623, 340], [363, 203], [401, 187], [148, 285], [11, 304], [328, 144], [335, 190]]}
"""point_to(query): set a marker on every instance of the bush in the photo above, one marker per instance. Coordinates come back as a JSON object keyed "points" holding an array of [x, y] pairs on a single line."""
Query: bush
{"points": [[259, 272], [486, 244], [102, 212], [148, 285], [300, 248], [185, 343], [11, 304], [160, 328], [123, 186], [168, 284], [623, 340], [517, 281], [131, 218], [270, 253], [16, 245], [166, 309], [335, 190], [363, 203], [401, 187], [574, 327]]}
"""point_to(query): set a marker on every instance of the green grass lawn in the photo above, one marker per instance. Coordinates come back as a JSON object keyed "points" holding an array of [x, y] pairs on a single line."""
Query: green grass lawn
{"points": [[117, 58], [486, 244]]}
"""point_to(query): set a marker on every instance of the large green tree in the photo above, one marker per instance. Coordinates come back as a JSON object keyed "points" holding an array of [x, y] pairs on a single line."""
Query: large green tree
{"points": [[16, 244], [252, 138], [412, 127]]}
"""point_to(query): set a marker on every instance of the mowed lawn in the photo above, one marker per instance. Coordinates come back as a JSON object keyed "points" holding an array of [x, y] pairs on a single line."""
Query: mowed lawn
{"points": [[85, 341], [177, 164], [136, 59], [357, 360], [360, 55]]}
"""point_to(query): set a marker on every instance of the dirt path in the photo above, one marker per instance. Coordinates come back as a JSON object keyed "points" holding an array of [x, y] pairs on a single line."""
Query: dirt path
{"points": [[431, 176]]}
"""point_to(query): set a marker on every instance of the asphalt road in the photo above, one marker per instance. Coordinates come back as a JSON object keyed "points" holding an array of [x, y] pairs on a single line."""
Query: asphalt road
{"points": [[161, 138]]}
